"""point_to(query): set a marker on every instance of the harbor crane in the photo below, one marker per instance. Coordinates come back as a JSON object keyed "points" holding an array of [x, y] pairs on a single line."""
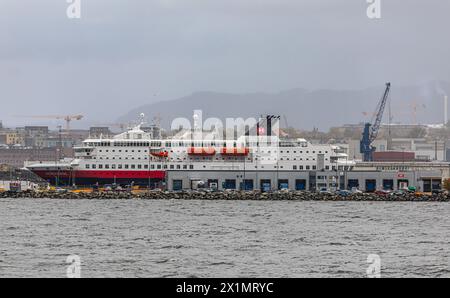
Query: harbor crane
{"points": [[67, 118], [370, 132]]}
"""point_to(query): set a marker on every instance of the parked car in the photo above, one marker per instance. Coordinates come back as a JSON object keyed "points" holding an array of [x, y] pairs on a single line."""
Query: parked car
{"points": [[355, 190], [382, 192], [343, 192], [398, 192], [411, 188], [324, 190]]}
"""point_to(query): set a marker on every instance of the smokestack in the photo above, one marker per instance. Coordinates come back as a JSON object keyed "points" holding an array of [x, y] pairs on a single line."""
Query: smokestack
{"points": [[269, 125], [445, 110]]}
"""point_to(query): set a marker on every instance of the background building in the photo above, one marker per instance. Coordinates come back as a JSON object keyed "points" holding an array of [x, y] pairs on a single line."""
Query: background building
{"points": [[97, 132], [18, 156]]}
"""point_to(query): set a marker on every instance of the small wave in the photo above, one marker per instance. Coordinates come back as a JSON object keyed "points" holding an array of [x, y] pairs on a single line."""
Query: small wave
{"points": [[179, 246], [221, 263], [29, 244], [337, 244], [346, 272], [301, 239], [256, 215], [139, 239], [162, 261], [81, 219], [121, 261], [169, 275]]}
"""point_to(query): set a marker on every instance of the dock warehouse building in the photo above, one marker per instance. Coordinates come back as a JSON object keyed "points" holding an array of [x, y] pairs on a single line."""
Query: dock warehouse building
{"points": [[366, 176]]}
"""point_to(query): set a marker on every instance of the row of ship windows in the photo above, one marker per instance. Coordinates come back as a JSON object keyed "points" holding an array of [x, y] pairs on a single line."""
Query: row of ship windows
{"points": [[261, 151], [157, 144], [249, 159], [185, 167], [145, 151], [145, 158], [138, 167], [186, 144], [393, 168], [333, 168], [210, 158]]}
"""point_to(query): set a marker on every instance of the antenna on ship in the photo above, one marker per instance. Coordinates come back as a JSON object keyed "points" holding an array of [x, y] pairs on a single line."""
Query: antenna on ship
{"points": [[156, 123], [157, 120], [196, 117], [141, 120]]}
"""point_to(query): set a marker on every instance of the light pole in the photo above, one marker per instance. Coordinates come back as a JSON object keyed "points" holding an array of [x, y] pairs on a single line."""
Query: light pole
{"points": [[278, 175], [345, 172], [243, 183], [337, 174], [149, 181], [58, 155]]}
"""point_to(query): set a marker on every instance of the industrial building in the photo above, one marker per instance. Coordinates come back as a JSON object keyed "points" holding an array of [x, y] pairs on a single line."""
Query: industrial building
{"points": [[365, 176], [423, 149], [18, 156]]}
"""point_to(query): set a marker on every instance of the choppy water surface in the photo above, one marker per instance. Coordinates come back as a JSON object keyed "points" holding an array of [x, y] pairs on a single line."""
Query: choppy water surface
{"points": [[135, 238]]}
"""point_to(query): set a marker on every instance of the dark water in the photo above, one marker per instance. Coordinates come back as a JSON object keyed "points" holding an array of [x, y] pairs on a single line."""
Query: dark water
{"points": [[223, 238]]}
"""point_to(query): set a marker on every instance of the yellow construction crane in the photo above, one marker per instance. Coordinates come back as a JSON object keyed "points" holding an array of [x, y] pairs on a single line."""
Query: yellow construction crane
{"points": [[67, 118]]}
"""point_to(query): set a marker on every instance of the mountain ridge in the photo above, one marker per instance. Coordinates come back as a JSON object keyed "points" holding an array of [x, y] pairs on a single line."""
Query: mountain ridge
{"points": [[303, 108]]}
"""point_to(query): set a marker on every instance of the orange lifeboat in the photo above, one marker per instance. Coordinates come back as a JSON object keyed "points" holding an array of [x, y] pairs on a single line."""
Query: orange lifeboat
{"points": [[241, 151], [159, 153], [204, 151]]}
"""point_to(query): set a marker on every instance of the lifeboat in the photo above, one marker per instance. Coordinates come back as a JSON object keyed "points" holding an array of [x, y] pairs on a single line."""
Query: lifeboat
{"points": [[204, 151], [159, 153], [232, 151]]}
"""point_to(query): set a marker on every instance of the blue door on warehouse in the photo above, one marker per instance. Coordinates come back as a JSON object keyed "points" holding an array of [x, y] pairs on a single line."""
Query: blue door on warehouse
{"points": [[300, 184], [283, 184], [371, 185], [247, 184], [265, 185], [177, 185], [229, 184], [388, 184], [436, 184], [353, 183]]}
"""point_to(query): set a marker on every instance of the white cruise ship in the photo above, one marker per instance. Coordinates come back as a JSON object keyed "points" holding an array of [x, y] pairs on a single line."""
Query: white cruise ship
{"points": [[137, 157]]}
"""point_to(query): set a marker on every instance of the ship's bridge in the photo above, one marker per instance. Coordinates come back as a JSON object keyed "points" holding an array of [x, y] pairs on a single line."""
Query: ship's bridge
{"points": [[128, 138], [134, 134]]}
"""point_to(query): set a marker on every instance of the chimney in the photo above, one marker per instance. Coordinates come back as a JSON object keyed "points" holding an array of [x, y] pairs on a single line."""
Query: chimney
{"points": [[445, 110]]}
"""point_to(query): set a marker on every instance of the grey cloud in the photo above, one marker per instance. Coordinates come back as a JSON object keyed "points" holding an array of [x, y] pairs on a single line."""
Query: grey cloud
{"points": [[122, 53]]}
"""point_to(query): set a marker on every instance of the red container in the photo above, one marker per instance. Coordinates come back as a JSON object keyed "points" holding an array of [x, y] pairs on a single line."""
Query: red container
{"points": [[398, 156]]}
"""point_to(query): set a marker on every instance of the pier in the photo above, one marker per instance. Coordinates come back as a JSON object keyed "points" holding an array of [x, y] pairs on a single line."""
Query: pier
{"points": [[231, 196]]}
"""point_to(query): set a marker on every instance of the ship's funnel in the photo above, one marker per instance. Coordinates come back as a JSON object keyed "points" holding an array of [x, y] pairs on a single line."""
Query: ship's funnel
{"points": [[269, 125]]}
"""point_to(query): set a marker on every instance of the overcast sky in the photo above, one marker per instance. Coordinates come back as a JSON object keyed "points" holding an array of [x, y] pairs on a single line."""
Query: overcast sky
{"points": [[125, 53]]}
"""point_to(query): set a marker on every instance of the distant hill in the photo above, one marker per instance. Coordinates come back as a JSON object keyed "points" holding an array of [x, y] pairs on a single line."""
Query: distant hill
{"points": [[307, 109]]}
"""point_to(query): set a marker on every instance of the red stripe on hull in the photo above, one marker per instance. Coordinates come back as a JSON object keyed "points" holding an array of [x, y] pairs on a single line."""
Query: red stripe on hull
{"points": [[102, 174]]}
